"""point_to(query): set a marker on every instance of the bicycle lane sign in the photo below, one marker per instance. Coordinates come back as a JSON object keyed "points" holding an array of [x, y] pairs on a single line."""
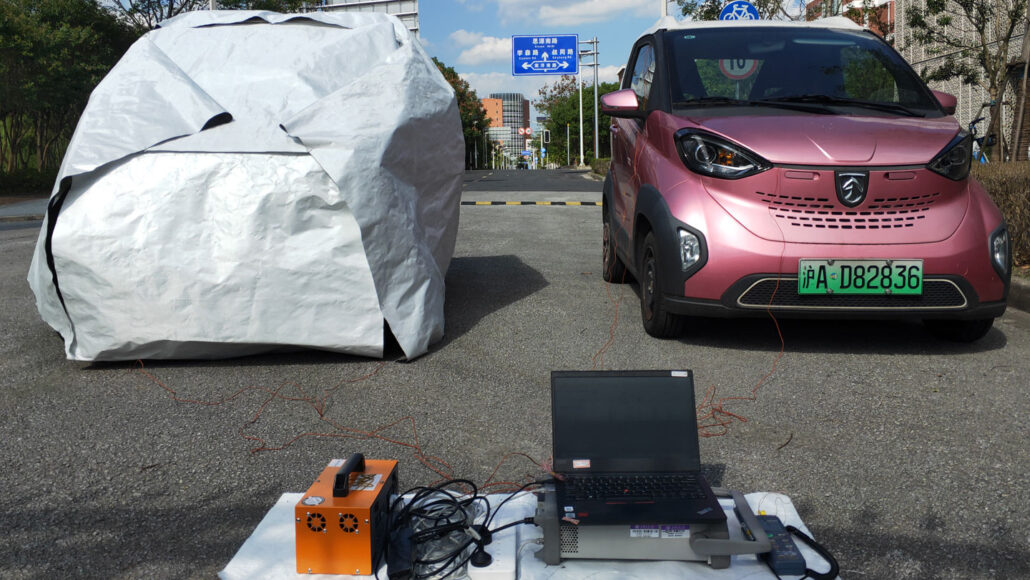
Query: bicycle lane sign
{"points": [[739, 10]]}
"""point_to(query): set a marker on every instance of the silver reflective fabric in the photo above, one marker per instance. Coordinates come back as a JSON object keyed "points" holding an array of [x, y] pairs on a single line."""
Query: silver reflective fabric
{"points": [[326, 207]]}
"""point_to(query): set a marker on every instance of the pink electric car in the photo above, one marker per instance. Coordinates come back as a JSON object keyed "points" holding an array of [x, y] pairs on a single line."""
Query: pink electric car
{"points": [[802, 168]]}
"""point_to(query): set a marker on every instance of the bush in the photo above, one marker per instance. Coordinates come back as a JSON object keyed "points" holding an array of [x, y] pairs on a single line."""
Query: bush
{"points": [[1009, 185], [600, 166], [26, 181]]}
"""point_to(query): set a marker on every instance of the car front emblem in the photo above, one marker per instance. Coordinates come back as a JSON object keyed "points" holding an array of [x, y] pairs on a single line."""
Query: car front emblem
{"points": [[852, 187]]}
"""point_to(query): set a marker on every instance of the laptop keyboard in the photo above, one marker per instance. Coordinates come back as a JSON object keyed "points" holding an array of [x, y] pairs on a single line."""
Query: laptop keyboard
{"points": [[634, 487]]}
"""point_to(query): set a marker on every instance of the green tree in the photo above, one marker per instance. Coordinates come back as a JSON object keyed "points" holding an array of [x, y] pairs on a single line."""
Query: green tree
{"points": [[560, 104], [52, 54], [971, 40], [474, 122], [273, 5], [146, 14]]}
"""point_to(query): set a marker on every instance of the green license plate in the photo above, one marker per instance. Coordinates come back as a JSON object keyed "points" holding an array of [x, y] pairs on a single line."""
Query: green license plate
{"points": [[903, 277]]}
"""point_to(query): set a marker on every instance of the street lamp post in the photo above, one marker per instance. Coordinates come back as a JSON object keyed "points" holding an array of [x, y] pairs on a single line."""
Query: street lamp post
{"points": [[580, 76], [593, 53]]}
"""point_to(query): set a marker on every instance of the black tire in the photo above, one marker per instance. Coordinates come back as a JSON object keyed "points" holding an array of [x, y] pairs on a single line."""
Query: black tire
{"points": [[614, 270], [960, 330], [658, 321]]}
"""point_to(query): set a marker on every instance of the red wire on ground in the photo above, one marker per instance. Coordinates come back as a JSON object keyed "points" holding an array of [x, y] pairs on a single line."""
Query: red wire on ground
{"points": [[317, 404], [713, 418]]}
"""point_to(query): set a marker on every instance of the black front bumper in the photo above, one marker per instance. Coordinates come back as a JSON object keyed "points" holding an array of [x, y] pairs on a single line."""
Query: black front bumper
{"points": [[944, 297]]}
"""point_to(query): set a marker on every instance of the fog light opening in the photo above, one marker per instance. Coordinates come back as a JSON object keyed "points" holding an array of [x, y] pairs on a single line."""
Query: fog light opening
{"points": [[690, 249], [1000, 250]]}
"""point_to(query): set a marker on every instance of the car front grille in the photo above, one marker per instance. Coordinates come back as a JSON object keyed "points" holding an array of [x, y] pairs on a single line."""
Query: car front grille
{"points": [[823, 213], [937, 295]]}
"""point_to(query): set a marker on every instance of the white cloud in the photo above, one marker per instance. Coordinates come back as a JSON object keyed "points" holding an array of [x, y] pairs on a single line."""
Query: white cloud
{"points": [[574, 13], [472, 5], [463, 37], [608, 74], [586, 11], [482, 49]]}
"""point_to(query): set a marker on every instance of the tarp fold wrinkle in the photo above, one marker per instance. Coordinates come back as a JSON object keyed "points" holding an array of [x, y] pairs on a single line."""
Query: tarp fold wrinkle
{"points": [[248, 181]]}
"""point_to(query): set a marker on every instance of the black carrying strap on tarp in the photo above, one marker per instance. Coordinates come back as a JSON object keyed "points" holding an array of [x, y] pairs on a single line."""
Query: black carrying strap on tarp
{"points": [[57, 202], [52, 210]]}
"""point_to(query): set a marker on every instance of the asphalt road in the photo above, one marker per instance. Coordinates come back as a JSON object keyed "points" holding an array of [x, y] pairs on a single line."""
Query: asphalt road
{"points": [[905, 455]]}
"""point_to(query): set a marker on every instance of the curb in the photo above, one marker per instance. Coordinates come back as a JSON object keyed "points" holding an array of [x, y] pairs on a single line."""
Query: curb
{"points": [[1019, 294], [21, 218]]}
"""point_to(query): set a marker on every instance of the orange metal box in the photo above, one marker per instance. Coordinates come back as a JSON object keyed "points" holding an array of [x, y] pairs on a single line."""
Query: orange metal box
{"points": [[343, 520]]}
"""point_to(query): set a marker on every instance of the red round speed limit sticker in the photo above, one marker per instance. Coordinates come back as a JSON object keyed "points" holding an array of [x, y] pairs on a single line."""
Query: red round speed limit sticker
{"points": [[738, 68]]}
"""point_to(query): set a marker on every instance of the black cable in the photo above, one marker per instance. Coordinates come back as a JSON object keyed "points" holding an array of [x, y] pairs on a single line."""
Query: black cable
{"points": [[528, 520], [439, 517], [440, 514], [514, 493], [823, 552]]}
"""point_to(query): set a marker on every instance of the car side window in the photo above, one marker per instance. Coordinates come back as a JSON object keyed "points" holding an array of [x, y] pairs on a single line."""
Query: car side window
{"points": [[643, 74]]}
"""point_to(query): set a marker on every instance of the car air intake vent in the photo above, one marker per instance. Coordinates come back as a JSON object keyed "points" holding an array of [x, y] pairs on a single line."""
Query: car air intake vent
{"points": [[822, 213], [904, 203], [795, 202]]}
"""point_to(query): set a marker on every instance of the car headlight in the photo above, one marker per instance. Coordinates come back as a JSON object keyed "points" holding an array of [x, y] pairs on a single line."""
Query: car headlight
{"points": [[953, 161], [690, 249], [715, 157], [1001, 251]]}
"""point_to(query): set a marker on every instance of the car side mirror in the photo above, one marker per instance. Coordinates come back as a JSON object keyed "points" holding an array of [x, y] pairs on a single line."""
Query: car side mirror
{"points": [[622, 103], [948, 101]]}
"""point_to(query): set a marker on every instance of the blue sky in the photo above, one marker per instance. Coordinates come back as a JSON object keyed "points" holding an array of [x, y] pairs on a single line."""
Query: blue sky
{"points": [[474, 36]]}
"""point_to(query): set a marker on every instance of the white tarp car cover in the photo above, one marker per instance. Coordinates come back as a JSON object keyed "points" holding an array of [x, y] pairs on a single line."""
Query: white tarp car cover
{"points": [[243, 181]]}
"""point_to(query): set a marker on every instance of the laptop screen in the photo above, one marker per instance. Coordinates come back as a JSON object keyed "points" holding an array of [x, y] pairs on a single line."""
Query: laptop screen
{"points": [[623, 421]]}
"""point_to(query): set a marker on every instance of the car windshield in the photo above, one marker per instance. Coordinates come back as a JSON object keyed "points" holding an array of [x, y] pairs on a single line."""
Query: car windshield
{"points": [[807, 69]]}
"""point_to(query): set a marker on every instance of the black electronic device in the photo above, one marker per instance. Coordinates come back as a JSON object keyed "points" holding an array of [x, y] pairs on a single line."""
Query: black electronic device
{"points": [[784, 559], [625, 448]]}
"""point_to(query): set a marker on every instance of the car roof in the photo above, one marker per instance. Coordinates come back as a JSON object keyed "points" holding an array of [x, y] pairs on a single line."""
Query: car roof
{"points": [[833, 22]]}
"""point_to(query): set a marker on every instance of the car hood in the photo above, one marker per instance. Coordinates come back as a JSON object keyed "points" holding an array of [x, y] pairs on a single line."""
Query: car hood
{"points": [[836, 139], [797, 201]]}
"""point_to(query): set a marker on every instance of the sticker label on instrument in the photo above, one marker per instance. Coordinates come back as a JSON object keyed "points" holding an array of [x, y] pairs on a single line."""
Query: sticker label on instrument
{"points": [[365, 481], [675, 532], [641, 531], [581, 464]]}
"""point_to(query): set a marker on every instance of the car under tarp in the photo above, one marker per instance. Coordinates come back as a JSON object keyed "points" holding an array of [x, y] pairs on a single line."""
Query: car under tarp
{"points": [[249, 181]]}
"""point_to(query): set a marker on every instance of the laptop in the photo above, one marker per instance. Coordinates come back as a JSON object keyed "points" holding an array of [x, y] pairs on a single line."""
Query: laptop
{"points": [[626, 451]]}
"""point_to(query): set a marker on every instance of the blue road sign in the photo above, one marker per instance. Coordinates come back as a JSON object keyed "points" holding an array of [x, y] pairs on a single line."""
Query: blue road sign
{"points": [[555, 54], [739, 10]]}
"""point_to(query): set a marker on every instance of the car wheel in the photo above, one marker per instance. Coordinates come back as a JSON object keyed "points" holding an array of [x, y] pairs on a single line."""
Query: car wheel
{"points": [[960, 330], [614, 270], [658, 321]]}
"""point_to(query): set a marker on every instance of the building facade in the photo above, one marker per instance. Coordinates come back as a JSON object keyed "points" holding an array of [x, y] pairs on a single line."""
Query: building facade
{"points": [[494, 111], [405, 10], [890, 18], [973, 100], [514, 116]]}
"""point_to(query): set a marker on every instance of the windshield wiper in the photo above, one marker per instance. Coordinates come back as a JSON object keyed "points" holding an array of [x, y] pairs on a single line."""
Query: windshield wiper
{"points": [[727, 101], [704, 101], [828, 100]]}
